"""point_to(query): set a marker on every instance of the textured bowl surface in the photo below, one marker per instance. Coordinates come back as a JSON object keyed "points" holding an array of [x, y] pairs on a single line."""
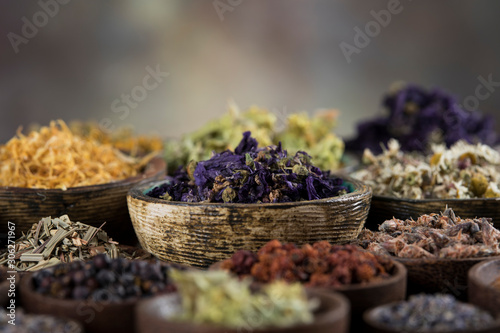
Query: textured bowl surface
{"points": [[87, 204], [439, 275], [481, 293], [374, 326], [332, 316], [385, 208], [200, 234]]}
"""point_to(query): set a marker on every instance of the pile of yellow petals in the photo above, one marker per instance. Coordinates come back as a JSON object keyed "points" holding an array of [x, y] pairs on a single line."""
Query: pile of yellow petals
{"points": [[55, 158]]}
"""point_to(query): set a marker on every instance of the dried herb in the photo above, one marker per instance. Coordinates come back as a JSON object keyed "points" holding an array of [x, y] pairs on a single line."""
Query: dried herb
{"points": [[274, 305], [441, 235], [418, 118], [317, 265], [55, 158], [104, 280], [251, 175], [462, 171], [434, 313], [59, 240], [297, 132], [30, 323]]}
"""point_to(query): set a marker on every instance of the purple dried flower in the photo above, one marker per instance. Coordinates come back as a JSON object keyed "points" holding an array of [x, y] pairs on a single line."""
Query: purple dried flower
{"points": [[251, 175], [418, 117]]}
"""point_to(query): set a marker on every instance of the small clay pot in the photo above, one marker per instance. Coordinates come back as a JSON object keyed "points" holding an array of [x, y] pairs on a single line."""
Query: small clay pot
{"points": [[374, 326], [369, 295], [332, 316], [96, 317], [481, 291]]}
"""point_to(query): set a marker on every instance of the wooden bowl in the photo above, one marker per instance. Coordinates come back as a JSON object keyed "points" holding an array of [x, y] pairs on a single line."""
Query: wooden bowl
{"points": [[332, 316], [88, 204], [385, 208], [431, 275], [481, 293], [374, 326], [96, 317], [365, 296], [200, 234]]}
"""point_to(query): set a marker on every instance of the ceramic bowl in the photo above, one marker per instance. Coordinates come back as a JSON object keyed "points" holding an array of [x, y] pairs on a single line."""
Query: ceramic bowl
{"points": [[87, 204], [374, 326], [332, 316], [96, 317], [200, 234], [385, 208], [365, 296], [481, 291]]}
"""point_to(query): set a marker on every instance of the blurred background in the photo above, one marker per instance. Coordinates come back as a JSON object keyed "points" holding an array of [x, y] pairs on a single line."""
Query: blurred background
{"points": [[81, 59]]}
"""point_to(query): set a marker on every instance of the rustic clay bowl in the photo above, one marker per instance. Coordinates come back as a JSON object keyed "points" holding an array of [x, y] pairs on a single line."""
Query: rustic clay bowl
{"points": [[432, 275], [332, 316], [88, 204], [373, 326], [96, 317], [365, 296], [385, 208], [481, 293], [200, 234]]}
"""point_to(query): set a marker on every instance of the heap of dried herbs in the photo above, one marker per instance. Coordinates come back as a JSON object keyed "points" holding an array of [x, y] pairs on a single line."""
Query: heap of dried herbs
{"points": [[441, 235], [319, 265], [59, 240], [274, 305], [419, 118], [104, 280], [462, 171], [32, 323], [296, 131], [55, 158], [251, 175], [434, 313]]}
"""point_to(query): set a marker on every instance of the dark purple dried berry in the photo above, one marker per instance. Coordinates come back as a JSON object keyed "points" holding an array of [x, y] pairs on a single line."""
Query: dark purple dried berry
{"points": [[80, 292], [105, 277], [101, 261]]}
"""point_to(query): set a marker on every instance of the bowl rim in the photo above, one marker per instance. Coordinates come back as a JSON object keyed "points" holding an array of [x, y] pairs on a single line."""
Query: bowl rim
{"points": [[340, 312], [155, 167], [473, 274], [360, 189], [400, 274], [370, 321], [439, 260], [444, 200]]}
